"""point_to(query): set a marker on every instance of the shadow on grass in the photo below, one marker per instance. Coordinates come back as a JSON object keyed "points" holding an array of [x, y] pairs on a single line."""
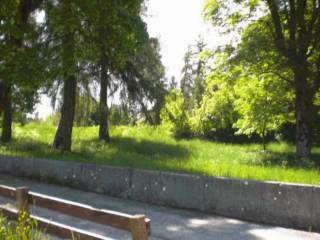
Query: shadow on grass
{"points": [[120, 151], [145, 147], [131, 152], [289, 159]]}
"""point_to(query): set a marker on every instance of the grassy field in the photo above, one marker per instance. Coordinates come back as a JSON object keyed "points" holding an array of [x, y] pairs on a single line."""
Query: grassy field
{"points": [[153, 148]]}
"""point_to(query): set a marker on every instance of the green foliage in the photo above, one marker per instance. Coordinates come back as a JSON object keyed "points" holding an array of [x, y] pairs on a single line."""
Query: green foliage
{"points": [[216, 111], [229, 15], [264, 93], [119, 115], [192, 83], [23, 229], [244, 94], [116, 37], [144, 78], [174, 115], [187, 80], [22, 67], [86, 108], [263, 105], [289, 50], [52, 119]]}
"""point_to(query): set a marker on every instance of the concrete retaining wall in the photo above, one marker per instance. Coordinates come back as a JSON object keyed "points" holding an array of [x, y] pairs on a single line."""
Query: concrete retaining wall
{"points": [[288, 205]]}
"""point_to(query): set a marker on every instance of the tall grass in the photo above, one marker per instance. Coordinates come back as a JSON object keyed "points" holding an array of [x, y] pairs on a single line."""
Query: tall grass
{"points": [[154, 148], [23, 229]]}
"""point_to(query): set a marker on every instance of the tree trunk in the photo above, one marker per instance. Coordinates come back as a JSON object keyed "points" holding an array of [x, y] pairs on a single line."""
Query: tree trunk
{"points": [[63, 138], [7, 114], [26, 7], [1, 97], [304, 111], [103, 107], [264, 140]]}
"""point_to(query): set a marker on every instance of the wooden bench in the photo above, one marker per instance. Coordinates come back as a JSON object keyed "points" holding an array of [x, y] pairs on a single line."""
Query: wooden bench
{"points": [[137, 225]]}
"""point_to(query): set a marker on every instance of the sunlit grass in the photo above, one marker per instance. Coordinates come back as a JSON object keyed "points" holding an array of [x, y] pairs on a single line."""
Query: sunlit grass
{"points": [[153, 148]]}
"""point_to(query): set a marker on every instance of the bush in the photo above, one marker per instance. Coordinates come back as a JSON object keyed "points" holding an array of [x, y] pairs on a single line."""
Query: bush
{"points": [[174, 115], [23, 229]]}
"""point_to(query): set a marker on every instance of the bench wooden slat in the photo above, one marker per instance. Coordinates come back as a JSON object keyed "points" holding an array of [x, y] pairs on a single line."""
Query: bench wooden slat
{"points": [[114, 219], [54, 228], [8, 192], [105, 217]]}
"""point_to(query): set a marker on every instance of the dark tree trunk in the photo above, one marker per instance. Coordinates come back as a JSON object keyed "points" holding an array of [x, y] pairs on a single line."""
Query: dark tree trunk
{"points": [[304, 109], [264, 139], [7, 114], [63, 138], [1, 98], [103, 107], [157, 118], [303, 114], [147, 115], [26, 7]]}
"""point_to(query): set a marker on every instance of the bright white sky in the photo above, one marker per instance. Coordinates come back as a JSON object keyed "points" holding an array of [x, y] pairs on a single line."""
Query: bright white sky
{"points": [[178, 24]]}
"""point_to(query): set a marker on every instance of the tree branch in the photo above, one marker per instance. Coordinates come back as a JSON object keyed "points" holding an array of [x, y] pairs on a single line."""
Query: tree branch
{"points": [[279, 36], [288, 80]]}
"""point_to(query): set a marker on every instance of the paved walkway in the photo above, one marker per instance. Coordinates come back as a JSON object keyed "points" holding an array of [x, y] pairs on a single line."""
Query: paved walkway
{"points": [[166, 223]]}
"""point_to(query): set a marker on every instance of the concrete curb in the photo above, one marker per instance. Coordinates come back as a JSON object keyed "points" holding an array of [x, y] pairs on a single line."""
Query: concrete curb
{"points": [[282, 204]]}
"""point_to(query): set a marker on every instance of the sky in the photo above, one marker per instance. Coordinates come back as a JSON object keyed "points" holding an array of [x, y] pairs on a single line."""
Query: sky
{"points": [[177, 24]]}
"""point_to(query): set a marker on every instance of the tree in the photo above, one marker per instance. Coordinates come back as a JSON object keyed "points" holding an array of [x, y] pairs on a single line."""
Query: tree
{"points": [[294, 27], [193, 74], [216, 112], [172, 83], [111, 41], [119, 115], [86, 107], [199, 79], [174, 115], [187, 80], [144, 81], [64, 24], [19, 56], [262, 105], [265, 97]]}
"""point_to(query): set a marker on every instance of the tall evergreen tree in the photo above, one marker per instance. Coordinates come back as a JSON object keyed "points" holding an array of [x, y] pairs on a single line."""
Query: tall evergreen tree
{"points": [[111, 41], [193, 75], [64, 22], [144, 81], [199, 81], [187, 80], [17, 48]]}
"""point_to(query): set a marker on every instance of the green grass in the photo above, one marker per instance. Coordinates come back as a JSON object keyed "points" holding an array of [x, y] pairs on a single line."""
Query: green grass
{"points": [[153, 148]]}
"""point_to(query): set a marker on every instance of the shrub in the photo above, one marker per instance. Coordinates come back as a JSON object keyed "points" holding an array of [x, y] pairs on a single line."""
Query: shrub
{"points": [[174, 115], [23, 229]]}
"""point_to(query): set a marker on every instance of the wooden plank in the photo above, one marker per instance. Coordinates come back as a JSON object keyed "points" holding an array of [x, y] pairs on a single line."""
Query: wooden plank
{"points": [[64, 231], [22, 200], [105, 217], [8, 192], [114, 219], [138, 228], [54, 228]]}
